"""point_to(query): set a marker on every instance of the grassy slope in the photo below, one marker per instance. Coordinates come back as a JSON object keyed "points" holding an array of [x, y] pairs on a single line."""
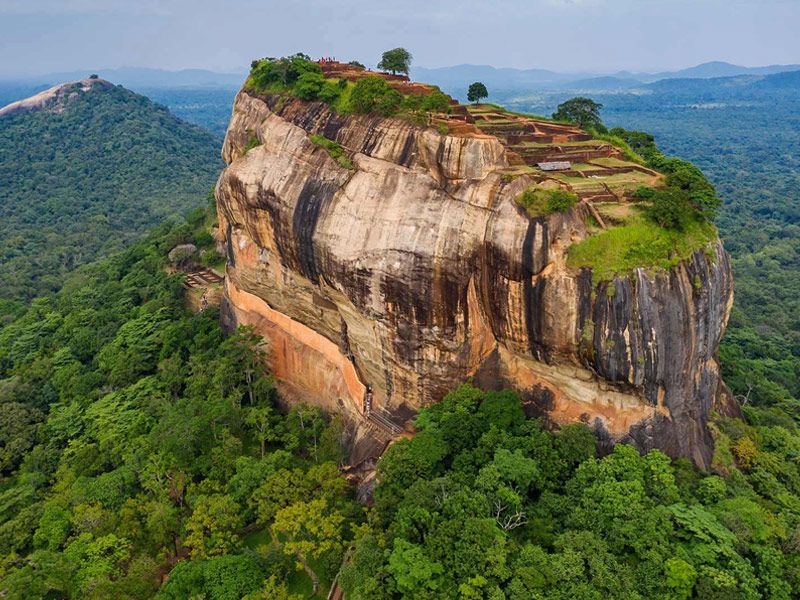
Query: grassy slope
{"points": [[638, 242]]}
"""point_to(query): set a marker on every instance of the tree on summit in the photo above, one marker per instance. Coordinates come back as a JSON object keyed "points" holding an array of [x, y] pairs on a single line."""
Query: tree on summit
{"points": [[396, 61], [477, 92], [583, 111]]}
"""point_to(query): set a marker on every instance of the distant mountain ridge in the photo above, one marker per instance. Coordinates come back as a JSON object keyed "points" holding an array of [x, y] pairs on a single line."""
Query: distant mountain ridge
{"points": [[451, 76], [511, 78], [724, 69]]}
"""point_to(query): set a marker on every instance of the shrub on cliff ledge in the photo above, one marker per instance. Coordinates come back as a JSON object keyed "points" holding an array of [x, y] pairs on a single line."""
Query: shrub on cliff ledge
{"points": [[334, 149], [373, 94], [283, 71], [539, 202]]}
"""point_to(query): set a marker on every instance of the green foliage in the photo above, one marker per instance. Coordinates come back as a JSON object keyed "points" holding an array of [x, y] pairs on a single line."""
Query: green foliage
{"points": [[397, 60], [252, 142], [334, 149], [539, 201], [639, 243], [148, 435], [585, 112], [687, 189], [285, 71], [420, 106], [477, 91], [484, 503], [298, 76], [228, 577], [90, 180], [671, 208], [373, 94]]}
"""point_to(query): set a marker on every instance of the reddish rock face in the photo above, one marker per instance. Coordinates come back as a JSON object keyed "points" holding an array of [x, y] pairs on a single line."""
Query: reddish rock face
{"points": [[416, 269]]}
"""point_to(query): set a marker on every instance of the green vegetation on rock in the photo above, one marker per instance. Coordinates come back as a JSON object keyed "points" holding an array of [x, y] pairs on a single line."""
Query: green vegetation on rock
{"points": [[252, 142], [639, 242], [539, 201], [303, 78], [334, 149], [687, 188]]}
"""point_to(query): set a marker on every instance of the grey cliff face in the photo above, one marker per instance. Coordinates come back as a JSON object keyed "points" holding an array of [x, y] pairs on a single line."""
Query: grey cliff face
{"points": [[416, 269]]}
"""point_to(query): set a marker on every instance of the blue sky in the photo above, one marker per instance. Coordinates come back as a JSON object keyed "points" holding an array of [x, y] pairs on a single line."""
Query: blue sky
{"points": [[39, 36]]}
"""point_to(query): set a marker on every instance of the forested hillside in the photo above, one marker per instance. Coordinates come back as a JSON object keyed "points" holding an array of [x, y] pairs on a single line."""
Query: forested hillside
{"points": [[134, 436], [84, 178], [143, 454]]}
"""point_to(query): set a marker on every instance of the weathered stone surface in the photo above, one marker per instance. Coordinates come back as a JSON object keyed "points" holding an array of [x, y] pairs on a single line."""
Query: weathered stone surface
{"points": [[416, 269], [53, 99]]}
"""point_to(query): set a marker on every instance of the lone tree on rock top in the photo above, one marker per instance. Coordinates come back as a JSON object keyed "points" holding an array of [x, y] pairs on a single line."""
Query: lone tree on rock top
{"points": [[396, 61], [583, 111], [477, 92]]}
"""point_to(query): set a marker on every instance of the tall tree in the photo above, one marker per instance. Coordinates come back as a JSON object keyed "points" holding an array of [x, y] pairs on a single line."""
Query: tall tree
{"points": [[583, 111], [397, 60], [477, 91]]}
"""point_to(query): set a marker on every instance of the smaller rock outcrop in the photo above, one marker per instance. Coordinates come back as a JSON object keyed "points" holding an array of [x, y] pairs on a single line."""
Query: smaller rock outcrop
{"points": [[53, 98]]}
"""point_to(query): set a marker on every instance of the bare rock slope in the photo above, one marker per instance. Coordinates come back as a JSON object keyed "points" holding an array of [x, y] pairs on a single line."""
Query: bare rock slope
{"points": [[54, 98], [416, 269]]}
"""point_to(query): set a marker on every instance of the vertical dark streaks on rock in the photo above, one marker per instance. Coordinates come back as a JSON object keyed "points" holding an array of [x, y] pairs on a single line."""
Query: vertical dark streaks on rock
{"points": [[229, 245], [409, 146], [648, 337], [313, 196], [583, 312], [532, 294]]}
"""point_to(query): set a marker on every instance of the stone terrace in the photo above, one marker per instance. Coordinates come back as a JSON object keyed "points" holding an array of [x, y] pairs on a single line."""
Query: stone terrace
{"points": [[598, 171]]}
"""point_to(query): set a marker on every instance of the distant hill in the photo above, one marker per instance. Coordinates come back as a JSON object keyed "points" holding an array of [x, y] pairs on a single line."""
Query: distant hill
{"points": [[700, 85], [724, 69], [780, 81], [85, 167], [146, 77], [456, 78], [739, 85], [493, 77]]}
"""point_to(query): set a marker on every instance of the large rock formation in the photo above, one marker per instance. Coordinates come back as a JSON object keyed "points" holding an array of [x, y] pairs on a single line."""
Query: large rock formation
{"points": [[416, 269]]}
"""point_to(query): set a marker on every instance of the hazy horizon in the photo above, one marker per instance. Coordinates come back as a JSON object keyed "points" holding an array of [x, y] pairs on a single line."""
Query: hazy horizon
{"points": [[569, 36], [243, 71]]}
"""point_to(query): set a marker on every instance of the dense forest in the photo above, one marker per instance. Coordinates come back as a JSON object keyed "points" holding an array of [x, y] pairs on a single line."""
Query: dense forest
{"points": [[84, 181], [135, 436], [484, 503], [145, 454]]}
